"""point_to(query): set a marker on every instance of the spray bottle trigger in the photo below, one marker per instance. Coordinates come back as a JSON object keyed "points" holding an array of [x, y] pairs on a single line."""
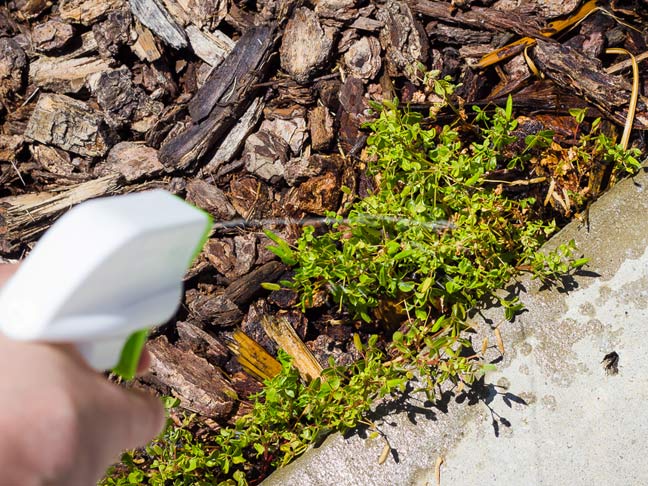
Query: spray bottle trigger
{"points": [[130, 355]]}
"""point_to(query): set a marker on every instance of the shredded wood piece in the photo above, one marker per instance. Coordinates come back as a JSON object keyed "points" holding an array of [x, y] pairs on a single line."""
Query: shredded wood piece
{"points": [[253, 357]]}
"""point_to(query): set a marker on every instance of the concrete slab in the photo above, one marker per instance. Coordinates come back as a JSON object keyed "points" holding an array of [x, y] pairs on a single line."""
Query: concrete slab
{"points": [[550, 414]]}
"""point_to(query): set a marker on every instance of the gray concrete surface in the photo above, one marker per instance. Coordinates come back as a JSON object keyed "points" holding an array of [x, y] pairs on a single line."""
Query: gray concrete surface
{"points": [[550, 415]]}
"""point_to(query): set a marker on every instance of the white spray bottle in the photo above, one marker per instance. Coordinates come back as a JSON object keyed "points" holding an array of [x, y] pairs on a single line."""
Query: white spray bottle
{"points": [[106, 272]]}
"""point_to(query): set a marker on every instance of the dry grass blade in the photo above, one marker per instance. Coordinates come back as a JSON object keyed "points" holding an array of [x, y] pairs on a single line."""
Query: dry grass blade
{"points": [[15, 167], [500, 342], [632, 107], [552, 186], [385, 453], [552, 28], [621, 65], [437, 469], [505, 52], [534, 69]]}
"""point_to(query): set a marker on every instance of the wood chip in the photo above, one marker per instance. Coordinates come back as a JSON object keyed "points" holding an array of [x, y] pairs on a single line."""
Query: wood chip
{"points": [[306, 45], [224, 83], [32, 8], [24, 217], [582, 75], [65, 76], [251, 197], [403, 39], [353, 105], [232, 257], [265, 155], [192, 337], [205, 14], [201, 387], [86, 12], [215, 310], [10, 146], [144, 46], [210, 47], [320, 124], [133, 160], [292, 131], [317, 195], [281, 332], [252, 357], [52, 35], [243, 290], [225, 96], [339, 9], [546, 8], [87, 48], [153, 15], [122, 101], [52, 159], [457, 36], [363, 58], [300, 169], [113, 33], [13, 65], [235, 139], [210, 198], [479, 17], [69, 124]]}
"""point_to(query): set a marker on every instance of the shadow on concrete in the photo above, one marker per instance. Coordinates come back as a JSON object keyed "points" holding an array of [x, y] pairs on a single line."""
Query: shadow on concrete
{"points": [[563, 284], [485, 393], [567, 283], [418, 409]]}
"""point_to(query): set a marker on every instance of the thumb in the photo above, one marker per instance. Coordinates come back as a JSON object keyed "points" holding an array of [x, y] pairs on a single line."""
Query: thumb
{"points": [[144, 417], [6, 271], [131, 418]]}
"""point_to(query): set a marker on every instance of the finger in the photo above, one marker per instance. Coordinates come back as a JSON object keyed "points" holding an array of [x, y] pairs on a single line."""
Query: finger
{"points": [[6, 271]]}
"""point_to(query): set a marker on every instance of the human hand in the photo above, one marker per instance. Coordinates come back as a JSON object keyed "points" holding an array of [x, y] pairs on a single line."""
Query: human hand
{"points": [[61, 422]]}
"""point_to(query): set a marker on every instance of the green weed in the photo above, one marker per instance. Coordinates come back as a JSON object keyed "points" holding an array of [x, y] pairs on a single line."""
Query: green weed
{"points": [[434, 239]]}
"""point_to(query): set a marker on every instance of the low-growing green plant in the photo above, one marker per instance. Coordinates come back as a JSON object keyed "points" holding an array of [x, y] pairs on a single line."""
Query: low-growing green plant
{"points": [[433, 240], [435, 236], [288, 416]]}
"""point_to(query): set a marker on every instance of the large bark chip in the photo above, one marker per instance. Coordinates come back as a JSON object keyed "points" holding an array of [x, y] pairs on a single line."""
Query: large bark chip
{"points": [[69, 124], [306, 45], [404, 40]]}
